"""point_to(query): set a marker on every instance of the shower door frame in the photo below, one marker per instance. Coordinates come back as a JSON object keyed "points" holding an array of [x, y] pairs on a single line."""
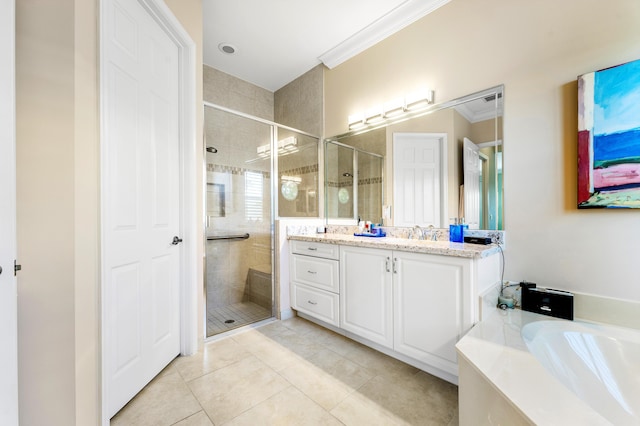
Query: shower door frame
{"points": [[275, 284]]}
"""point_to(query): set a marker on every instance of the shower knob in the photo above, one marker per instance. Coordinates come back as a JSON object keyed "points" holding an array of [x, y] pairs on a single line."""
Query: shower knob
{"points": [[176, 241]]}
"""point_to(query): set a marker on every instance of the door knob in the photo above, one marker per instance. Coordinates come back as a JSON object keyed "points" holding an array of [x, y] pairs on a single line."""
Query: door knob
{"points": [[176, 241]]}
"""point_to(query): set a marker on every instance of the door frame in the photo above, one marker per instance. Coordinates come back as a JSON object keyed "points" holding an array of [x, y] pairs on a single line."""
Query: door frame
{"points": [[165, 19], [9, 409]]}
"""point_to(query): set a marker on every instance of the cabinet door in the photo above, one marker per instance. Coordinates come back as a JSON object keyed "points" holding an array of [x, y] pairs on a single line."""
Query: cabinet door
{"points": [[366, 293], [429, 311]]}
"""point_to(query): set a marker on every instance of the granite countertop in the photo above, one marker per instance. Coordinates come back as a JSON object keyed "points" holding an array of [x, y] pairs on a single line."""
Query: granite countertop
{"points": [[495, 347], [444, 248]]}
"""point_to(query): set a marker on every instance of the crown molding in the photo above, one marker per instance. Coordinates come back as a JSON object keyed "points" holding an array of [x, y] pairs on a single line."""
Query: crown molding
{"points": [[400, 17], [473, 116]]}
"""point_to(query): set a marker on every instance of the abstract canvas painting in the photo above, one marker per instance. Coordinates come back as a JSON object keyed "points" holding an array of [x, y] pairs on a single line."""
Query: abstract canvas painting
{"points": [[609, 137]]}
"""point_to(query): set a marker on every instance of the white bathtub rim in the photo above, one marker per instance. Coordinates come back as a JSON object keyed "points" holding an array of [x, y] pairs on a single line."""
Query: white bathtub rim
{"points": [[495, 348], [607, 379]]}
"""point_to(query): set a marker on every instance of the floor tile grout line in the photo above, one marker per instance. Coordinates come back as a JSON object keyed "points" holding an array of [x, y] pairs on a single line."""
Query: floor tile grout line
{"points": [[191, 415], [309, 396], [349, 394], [221, 368], [261, 402]]}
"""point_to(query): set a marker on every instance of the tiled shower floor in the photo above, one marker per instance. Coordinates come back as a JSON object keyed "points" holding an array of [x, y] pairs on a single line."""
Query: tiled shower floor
{"points": [[241, 313]]}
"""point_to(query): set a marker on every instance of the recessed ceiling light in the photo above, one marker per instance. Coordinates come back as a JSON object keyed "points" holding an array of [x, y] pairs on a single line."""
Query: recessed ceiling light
{"points": [[227, 48]]}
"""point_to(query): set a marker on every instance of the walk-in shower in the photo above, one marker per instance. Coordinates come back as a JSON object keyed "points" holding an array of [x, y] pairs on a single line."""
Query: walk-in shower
{"points": [[241, 210]]}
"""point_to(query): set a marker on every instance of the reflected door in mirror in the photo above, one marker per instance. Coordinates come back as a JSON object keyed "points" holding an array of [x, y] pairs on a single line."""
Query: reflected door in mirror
{"points": [[419, 184]]}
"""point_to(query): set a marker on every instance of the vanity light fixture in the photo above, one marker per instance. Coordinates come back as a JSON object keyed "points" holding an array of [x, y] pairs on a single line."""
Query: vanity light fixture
{"points": [[411, 103], [374, 115], [419, 99], [394, 108], [356, 121], [285, 146]]}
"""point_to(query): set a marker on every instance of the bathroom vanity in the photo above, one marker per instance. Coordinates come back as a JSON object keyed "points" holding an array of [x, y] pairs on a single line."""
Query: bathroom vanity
{"points": [[411, 299]]}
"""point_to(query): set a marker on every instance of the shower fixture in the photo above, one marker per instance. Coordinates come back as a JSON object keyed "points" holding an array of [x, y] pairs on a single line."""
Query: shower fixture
{"points": [[212, 149], [347, 174]]}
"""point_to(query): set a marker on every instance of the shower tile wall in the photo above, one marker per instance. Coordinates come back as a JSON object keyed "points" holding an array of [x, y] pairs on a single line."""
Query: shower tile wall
{"points": [[299, 104], [231, 92], [370, 187]]}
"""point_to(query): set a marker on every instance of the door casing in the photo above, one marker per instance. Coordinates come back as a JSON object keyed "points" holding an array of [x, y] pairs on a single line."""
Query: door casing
{"points": [[8, 245]]}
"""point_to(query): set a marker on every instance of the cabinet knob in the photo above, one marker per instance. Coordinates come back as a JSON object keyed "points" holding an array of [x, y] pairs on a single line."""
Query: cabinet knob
{"points": [[312, 248], [387, 264], [395, 265], [311, 302], [312, 272]]}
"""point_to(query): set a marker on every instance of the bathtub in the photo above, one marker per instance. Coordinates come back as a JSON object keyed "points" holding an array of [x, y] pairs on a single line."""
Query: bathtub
{"points": [[598, 363], [521, 368]]}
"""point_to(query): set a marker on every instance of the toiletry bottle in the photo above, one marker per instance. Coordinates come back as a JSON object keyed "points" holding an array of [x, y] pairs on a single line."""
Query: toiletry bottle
{"points": [[465, 227], [455, 231]]}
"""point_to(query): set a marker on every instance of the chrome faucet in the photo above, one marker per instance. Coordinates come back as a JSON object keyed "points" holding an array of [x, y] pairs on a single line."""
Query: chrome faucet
{"points": [[434, 233], [418, 232]]}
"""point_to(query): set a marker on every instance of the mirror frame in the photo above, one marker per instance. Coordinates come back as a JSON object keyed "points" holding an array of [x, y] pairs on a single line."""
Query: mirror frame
{"points": [[498, 91]]}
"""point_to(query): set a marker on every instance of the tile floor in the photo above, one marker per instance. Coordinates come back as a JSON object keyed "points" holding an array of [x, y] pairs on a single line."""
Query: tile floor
{"points": [[291, 372], [241, 313]]}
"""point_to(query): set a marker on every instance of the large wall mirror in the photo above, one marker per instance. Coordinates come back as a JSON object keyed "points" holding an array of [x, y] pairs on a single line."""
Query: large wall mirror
{"points": [[427, 167]]}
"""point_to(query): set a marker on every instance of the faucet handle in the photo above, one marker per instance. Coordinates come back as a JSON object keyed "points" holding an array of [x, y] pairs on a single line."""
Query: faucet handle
{"points": [[418, 232]]}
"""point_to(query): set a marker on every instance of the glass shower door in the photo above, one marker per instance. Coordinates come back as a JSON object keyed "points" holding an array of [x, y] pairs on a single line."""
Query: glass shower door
{"points": [[239, 246], [339, 181]]}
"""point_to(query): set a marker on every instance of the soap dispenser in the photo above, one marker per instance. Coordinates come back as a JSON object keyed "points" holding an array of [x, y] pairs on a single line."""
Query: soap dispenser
{"points": [[456, 231]]}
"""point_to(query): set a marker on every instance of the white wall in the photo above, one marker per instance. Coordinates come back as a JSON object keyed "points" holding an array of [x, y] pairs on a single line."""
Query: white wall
{"points": [[537, 50]]}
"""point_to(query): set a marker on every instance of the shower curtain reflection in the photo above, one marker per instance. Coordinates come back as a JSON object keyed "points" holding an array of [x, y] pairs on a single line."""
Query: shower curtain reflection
{"points": [[239, 247]]}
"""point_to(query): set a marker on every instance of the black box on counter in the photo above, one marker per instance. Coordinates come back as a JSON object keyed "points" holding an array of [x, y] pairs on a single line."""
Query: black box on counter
{"points": [[477, 240], [547, 301]]}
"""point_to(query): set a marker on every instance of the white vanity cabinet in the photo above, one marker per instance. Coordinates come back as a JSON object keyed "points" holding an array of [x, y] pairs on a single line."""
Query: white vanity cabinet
{"points": [[366, 305], [315, 283], [412, 305], [432, 307], [415, 304]]}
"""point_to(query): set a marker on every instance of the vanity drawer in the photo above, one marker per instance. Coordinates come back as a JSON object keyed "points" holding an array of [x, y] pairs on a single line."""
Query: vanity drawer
{"points": [[328, 251], [316, 272], [317, 303]]}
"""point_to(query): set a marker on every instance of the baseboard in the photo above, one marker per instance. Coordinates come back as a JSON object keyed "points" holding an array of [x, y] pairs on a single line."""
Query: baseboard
{"points": [[286, 314]]}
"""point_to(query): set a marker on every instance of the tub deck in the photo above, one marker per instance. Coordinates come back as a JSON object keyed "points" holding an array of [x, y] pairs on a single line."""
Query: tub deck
{"points": [[502, 382]]}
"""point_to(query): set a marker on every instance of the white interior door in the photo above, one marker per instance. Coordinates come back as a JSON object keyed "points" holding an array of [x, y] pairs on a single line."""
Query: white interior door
{"points": [[141, 199], [472, 172], [419, 184], [8, 290]]}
